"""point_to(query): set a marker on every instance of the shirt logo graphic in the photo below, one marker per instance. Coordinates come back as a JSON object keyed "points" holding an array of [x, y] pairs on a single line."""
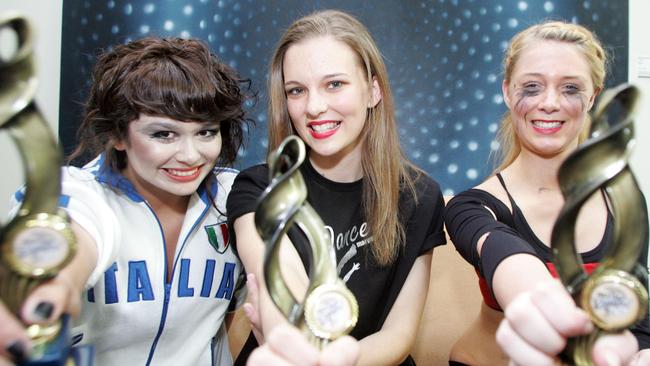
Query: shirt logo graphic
{"points": [[218, 236], [349, 242]]}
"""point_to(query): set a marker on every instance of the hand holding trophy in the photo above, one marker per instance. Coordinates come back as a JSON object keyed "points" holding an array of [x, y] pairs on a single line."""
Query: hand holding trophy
{"points": [[613, 297], [329, 309], [38, 241]]}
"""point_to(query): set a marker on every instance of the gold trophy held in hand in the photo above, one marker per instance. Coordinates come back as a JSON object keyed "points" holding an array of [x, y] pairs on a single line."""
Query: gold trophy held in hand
{"points": [[329, 309], [612, 295], [38, 242]]}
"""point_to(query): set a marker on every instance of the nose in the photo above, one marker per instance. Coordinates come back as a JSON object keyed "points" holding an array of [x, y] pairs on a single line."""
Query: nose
{"points": [[188, 152], [316, 104], [550, 101]]}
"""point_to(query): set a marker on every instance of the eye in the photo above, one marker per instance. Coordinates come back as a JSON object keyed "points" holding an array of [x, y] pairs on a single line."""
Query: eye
{"points": [[529, 89], [163, 135], [295, 91], [209, 132], [334, 84], [571, 89]]}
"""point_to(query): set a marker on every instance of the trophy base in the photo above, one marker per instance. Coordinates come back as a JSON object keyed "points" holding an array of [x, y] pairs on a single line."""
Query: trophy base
{"points": [[578, 350], [58, 352]]}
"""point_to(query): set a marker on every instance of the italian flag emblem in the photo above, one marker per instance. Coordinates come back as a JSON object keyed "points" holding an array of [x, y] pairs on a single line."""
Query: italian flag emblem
{"points": [[218, 236]]}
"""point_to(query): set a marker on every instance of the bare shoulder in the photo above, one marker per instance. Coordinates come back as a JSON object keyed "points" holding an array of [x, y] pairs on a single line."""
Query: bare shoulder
{"points": [[492, 186]]}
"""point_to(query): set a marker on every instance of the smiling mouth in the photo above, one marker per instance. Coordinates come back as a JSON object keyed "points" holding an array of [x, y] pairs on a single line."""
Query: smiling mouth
{"points": [[322, 127], [183, 174], [547, 125]]}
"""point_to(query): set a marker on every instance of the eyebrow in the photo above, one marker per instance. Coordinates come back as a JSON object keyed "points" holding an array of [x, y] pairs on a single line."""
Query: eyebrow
{"points": [[326, 76], [329, 76], [563, 77], [161, 124], [171, 125]]}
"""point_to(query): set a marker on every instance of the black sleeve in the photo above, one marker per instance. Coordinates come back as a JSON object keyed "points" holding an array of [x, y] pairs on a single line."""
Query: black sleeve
{"points": [[246, 190], [467, 219], [429, 214], [424, 231], [499, 245]]}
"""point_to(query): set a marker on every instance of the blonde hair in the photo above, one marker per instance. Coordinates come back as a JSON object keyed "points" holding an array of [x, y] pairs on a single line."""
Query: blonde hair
{"points": [[575, 34], [384, 164]]}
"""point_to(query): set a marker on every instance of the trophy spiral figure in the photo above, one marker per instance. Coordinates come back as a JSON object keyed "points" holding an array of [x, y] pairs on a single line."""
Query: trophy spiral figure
{"points": [[38, 241], [613, 298], [329, 309]]}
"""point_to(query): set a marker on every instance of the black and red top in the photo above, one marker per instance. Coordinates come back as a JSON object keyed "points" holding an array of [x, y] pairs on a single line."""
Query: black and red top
{"points": [[467, 218]]}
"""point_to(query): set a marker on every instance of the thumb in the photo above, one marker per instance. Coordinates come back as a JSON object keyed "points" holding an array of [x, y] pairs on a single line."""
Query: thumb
{"points": [[615, 349]]}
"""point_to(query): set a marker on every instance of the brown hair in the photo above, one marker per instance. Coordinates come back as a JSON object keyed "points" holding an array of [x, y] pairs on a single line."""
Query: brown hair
{"points": [[171, 77], [575, 34], [385, 167]]}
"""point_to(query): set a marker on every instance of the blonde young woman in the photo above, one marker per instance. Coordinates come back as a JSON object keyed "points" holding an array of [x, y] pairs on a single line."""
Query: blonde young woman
{"points": [[328, 85], [553, 72]]}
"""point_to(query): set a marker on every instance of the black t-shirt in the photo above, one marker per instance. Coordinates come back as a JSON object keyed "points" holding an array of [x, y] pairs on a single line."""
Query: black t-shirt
{"points": [[339, 205]]}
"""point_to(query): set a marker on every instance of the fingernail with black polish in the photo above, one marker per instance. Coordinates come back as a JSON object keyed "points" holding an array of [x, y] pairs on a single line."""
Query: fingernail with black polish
{"points": [[43, 310], [17, 351]]}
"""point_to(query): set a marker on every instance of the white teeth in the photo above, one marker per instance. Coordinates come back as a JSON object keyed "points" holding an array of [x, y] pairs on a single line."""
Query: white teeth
{"points": [[182, 173], [543, 124], [324, 127]]}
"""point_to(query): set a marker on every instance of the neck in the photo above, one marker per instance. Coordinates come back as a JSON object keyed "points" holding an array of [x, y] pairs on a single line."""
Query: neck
{"points": [[158, 199], [343, 169], [170, 203], [537, 171]]}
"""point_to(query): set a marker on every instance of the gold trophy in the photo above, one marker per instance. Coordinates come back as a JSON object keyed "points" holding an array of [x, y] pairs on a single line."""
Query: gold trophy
{"points": [[329, 309], [38, 241], [613, 297]]}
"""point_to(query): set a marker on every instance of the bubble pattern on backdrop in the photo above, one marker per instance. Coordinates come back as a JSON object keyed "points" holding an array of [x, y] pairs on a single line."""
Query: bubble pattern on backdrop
{"points": [[443, 59]]}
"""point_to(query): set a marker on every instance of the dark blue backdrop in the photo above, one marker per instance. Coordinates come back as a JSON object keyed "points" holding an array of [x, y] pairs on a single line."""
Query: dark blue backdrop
{"points": [[443, 57]]}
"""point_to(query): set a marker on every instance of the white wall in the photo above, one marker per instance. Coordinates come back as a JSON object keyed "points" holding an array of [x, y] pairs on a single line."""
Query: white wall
{"points": [[640, 47], [45, 16]]}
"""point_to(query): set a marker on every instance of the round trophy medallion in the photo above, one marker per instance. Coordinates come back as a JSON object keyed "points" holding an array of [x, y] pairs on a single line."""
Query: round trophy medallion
{"points": [[41, 247], [614, 299], [331, 311]]}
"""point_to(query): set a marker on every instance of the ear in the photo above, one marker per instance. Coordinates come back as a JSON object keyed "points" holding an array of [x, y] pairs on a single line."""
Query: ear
{"points": [[505, 90], [592, 99], [376, 95], [119, 145]]}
